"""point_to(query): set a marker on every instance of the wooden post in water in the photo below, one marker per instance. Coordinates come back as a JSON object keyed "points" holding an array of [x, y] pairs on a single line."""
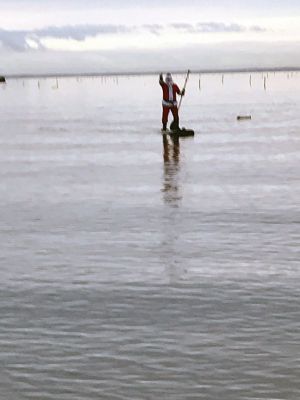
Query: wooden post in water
{"points": [[265, 83], [250, 80], [199, 82]]}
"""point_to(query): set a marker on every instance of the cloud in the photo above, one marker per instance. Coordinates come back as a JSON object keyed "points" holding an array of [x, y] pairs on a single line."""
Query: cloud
{"points": [[15, 40], [81, 32], [257, 28], [215, 27], [31, 39], [182, 26], [22, 40], [155, 29]]}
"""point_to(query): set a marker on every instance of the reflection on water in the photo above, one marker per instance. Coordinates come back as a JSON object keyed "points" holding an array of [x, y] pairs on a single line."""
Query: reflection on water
{"points": [[172, 196], [171, 183]]}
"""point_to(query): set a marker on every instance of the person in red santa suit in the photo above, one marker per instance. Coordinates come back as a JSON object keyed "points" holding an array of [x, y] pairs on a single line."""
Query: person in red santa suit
{"points": [[169, 103]]}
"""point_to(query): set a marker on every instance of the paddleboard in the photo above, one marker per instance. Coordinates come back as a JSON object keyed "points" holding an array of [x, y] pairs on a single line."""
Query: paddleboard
{"points": [[180, 132]]}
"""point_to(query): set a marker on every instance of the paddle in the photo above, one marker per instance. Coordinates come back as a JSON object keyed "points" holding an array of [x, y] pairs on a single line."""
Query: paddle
{"points": [[185, 83]]}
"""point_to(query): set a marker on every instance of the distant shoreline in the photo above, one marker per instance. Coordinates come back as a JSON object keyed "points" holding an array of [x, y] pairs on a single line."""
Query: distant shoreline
{"points": [[131, 73]]}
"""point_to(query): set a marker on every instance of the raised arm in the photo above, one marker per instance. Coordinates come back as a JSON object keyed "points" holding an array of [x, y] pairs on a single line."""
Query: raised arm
{"points": [[161, 79]]}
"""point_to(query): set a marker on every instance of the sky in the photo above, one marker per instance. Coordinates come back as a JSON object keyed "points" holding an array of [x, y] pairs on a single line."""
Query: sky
{"points": [[96, 36]]}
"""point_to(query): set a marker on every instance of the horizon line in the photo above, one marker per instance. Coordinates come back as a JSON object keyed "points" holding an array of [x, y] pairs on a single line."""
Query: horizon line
{"points": [[154, 72]]}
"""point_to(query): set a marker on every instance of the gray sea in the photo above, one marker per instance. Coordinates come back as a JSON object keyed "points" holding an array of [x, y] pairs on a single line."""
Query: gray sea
{"points": [[135, 267]]}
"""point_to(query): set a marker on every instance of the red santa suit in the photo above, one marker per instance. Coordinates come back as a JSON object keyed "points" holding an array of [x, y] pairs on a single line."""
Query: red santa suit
{"points": [[169, 103]]}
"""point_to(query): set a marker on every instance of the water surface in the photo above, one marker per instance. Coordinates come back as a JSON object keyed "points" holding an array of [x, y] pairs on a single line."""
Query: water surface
{"points": [[137, 268]]}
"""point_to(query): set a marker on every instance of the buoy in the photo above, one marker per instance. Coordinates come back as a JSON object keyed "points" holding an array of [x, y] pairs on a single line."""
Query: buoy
{"points": [[243, 117]]}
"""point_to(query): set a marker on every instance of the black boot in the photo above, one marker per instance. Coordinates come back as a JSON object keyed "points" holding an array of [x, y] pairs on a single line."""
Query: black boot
{"points": [[174, 126], [164, 128]]}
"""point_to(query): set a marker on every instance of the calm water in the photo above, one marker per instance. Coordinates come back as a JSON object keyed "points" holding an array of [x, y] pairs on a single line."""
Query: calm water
{"points": [[133, 268]]}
